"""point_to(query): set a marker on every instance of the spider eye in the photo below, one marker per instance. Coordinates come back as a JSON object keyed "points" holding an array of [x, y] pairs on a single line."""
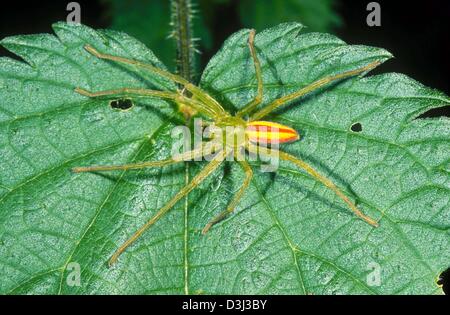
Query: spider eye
{"points": [[270, 132]]}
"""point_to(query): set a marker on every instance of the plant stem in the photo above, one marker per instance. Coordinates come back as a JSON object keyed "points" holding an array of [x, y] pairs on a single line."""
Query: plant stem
{"points": [[182, 32]]}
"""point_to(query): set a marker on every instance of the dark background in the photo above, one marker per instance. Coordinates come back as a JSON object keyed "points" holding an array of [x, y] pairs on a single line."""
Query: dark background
{"points": [[417, 33]]}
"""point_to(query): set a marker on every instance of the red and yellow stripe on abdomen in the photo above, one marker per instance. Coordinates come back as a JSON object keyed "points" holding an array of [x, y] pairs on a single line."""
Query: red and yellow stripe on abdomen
{"points": [[270, 132]]}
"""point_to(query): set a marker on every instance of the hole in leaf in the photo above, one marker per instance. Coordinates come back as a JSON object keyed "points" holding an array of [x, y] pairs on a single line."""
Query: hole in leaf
{"points": [[443, 111], [356, 127], [444, 280], [123, 104]]}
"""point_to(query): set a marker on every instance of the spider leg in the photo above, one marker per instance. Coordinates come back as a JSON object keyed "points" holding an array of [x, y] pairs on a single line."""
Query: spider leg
{"points": [[123, 92], [237, 197], [197, 92], [204, 173], [259, 95], [314, 173], [309, 88], [190, 155]]}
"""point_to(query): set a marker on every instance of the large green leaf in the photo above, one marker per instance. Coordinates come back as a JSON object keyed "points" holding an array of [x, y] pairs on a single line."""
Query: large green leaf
{"points": [[288, 235]]}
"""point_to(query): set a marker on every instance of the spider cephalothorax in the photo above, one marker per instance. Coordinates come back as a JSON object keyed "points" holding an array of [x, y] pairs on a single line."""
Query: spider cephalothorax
{"points": [[250, 133]]}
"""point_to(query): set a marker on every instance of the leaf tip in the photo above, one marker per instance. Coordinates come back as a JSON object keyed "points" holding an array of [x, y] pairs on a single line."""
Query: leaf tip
{"points": [[7, 41], [386, 55]]}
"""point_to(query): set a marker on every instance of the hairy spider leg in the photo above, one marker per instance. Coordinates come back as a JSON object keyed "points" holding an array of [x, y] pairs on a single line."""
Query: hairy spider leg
{"points": [[314, 173], [202, 175], [259, 94], [237, 197], [124, 92], [196, 91], [186, 156], [310, 88]]}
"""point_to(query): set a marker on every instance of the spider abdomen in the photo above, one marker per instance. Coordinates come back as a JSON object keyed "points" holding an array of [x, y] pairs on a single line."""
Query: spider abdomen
{"points": [[270, 132]]}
